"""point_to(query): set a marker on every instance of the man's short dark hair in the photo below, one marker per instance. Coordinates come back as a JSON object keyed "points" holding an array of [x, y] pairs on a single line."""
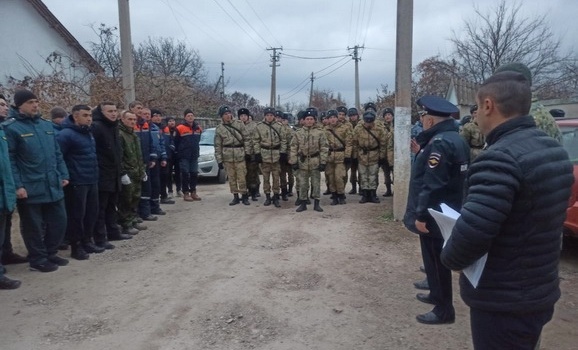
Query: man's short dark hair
{"points": [[133, 104], [80, 108], [58, 112], [510, 91], [106, 103], [2, 97]]}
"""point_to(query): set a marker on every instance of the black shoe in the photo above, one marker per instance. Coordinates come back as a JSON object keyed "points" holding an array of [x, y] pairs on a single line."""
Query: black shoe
{"points": [[353, 189], [364, 195], [388, 194], [245, 199], [150, 218], [123, 236], [139, 220], [276, 200], [77, 252], [92, 248], [424, 298], [341, 198], [235, 200], [13, 258], [326, 192], [167, 201], [159, 212], [308, 202], [7, 283], [267, 200], [55, 259], [302, 207], [139, 227], [373, 198], [334, 200], [284, 197], [421, 285], [289, 194], [44, 267], [257, 194], [63, 246], [106, 245], [431, 318], [316, 206]]}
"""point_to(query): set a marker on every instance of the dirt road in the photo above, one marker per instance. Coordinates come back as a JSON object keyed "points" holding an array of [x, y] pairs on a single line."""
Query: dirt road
{"points": [[210, 276]]}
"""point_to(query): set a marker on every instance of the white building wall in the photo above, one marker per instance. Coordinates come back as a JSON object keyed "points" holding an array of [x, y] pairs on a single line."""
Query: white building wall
{"points": [[27, 40]]}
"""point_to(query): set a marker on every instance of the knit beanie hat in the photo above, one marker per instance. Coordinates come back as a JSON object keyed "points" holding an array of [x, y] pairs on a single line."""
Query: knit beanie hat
{"points": [[21, 96]]}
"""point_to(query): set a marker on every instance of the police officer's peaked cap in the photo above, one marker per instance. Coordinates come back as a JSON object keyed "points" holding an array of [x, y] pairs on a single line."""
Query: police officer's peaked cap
{"points": [[388, 110], [352, 111], [473, 108], [243, 111], [342, 109], [269, 110], [278, 114], [518, 68], [370, 106], [369, 117], [557, 113], [437, 106], [223, 110], [331, 113]]}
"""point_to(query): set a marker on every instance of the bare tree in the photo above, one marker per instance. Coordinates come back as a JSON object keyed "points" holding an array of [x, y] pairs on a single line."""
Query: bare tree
{"points": [[503, 35], [326, 99]]}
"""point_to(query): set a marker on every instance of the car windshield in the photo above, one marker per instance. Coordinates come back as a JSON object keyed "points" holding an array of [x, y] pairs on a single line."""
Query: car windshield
{"points": [[570, 142], [208, 137]]}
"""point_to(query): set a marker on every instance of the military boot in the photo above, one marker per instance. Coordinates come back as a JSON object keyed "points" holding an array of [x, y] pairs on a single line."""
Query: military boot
{"points": [[284, 194], [290, 191], [316, 206], [334, 200], [254, 194], [341, 198], [388, 193], [235, 200], [77, 251], [373, 197], [276, 200], [245, 199], [267, 200], [302, 207], [326, 192], [297, 201], [353, 188], [364, 195]]}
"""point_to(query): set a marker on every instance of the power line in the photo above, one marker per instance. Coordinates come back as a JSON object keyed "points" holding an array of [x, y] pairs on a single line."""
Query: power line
{"points": [[314, 58], [324, 75], [237, 23], [319, 71], [368, 20], [264, 25], [249, 24]]}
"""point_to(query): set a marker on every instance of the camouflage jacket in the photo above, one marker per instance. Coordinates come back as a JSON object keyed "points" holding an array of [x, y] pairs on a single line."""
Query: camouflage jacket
{"points": [[545, 121], [474, 138], [339, 142], [369, 144], [288, 135], [232, 142], [132, 164], [250, 126], [270, 141], [309, 148]]}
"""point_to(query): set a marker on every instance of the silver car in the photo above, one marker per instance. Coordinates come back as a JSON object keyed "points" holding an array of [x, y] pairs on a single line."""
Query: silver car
{"points": [[208, 166]]}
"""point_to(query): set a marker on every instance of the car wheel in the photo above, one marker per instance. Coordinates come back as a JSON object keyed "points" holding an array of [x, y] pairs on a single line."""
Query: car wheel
{"points": [[222, 176]]}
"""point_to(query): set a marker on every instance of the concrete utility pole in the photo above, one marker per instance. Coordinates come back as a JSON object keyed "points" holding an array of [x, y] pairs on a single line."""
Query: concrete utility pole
{"points": [[274, 60], [403, 56], [356, 58], [222, 80], [126, 52], [311, 90]]}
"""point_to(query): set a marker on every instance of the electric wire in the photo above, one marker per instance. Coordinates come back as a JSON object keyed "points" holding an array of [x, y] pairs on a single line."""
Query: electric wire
{"points": [[237, 23], [312, 58], [264, 25], [249, 24]]}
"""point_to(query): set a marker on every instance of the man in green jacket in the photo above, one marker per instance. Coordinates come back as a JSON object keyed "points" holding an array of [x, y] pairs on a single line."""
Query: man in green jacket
{"points": [[39, 174]]}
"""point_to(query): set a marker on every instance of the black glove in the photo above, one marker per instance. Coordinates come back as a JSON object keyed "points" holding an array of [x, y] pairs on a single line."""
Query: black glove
{"points": [[283, 158], [221, 166], [347, 161], [295, 166], [382, 162], [321, 167], [258, 158], [248, 158], [355, 162]]}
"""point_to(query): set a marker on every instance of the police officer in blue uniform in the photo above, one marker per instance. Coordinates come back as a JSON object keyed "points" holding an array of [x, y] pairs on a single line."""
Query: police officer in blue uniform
{"points": [[437, 176]]}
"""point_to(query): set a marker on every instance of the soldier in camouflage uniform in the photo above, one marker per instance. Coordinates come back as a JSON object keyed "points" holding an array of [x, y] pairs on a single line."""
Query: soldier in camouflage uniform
{"points": [[287, 179], [270, 147], [542, 117], [388, 166], [133, 172], [233, 148], [353, 115], [369, 147], [472, 134], [309, 155], [252, 178], [298, 126], [339, 141]]}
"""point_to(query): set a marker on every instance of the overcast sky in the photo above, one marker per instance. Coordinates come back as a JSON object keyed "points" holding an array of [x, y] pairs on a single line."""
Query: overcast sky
{"points": [[219, 31]]}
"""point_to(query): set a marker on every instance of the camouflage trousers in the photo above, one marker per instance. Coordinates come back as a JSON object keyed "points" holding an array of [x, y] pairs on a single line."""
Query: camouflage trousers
{"points": [[304, 176], [252, 178], [286, 175], [368, 176], [335, 173], [236, 172], [271, 171], [128, 201]]}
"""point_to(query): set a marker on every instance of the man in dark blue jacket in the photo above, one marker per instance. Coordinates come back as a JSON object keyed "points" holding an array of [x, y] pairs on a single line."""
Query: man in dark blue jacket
{"points": [[437, 176], [518, 190], [39, 175], [81, 195]]}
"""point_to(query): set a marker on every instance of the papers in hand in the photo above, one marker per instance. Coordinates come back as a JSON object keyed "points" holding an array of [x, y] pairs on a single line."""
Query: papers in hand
{"points": [[446, 220]]}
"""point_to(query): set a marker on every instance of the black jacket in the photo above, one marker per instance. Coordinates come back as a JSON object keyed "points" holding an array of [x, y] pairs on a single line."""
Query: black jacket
{"points": [[518, 190], [108, 151], [437, 175]]}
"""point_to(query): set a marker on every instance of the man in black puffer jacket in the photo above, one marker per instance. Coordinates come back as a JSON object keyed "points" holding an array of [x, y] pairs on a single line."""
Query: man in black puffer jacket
{"points": [[518, 190]]}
